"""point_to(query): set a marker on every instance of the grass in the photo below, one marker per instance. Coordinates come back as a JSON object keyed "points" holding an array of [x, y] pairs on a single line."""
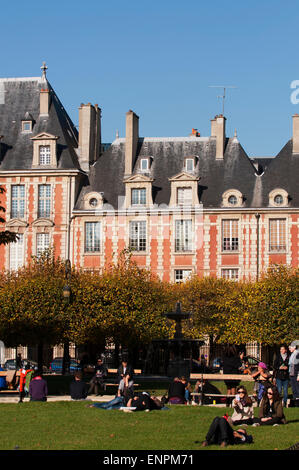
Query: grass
{"points": [[72, 426]]}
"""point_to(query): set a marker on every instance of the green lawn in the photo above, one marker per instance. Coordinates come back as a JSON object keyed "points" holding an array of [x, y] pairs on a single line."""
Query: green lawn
{"points": [[72, 426]]}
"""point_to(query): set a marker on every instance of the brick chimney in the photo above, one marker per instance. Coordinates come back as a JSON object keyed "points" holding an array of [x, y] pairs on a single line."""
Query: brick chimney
{"points": [[89, 135], [219, 129], [132, 135], [296, 133]]}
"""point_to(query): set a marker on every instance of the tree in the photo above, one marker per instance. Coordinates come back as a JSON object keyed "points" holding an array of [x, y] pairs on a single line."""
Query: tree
{"points": [[31, 305], [5, 235]]}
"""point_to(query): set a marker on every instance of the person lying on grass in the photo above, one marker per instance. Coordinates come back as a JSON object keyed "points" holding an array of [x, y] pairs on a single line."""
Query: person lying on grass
{"points": [[220, 432]]}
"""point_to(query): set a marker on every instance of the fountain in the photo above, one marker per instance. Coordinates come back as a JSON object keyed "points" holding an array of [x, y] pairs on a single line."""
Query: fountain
{"points": [[173, 357]]}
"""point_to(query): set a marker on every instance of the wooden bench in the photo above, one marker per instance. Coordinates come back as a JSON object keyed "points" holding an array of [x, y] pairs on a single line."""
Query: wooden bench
{"points": [[220, 377], [113, 372]]}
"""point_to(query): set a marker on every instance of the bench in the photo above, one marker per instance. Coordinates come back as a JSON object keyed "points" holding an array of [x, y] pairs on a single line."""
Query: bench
{"points": [[220, 377], [113, 372]]}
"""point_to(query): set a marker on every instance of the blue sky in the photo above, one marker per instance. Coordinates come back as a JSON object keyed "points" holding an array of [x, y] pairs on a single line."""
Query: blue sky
{"points": [[159, 59]]}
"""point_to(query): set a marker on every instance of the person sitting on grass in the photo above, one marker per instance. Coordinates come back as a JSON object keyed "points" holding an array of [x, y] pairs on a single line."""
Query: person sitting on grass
{"points": [[78, 388], [243, 408], [220, 432], [176, 392], [38, 389], [271, 409]]}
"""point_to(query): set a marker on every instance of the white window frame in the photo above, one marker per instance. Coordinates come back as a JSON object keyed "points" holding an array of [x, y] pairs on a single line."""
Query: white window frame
{"points": [[92, 237], [42, 243], [187, 161], [183, 235], [44, 155], [24, 124], [231, 274], [230, 243], [144, 160], [182, 275], [17, 253], [281, 240], [44, 201], [17, 200], [141, 196], [184, 196], [137, 235]]}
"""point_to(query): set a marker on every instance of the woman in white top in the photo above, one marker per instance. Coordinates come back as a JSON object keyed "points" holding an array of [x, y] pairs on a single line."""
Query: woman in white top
{"points": [[243, 408]]}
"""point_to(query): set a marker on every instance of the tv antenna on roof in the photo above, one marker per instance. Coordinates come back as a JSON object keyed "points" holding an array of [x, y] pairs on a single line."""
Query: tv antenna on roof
{"points": [[222, 96]]}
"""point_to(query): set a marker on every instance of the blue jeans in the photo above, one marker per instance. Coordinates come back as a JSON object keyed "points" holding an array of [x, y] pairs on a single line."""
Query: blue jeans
{"points": [[114, 404], [283, 385]]}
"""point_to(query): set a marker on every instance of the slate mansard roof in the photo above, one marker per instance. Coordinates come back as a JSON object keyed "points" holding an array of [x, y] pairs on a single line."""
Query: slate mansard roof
{"points": [[235, 171], [19, 99]]}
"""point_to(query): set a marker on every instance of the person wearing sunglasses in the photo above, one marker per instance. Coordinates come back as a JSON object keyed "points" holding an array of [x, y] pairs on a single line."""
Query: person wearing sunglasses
{"points": [[271, 409], [243, 408]]}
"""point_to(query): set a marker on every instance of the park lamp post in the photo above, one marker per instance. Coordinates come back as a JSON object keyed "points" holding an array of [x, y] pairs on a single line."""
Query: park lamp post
{"points": [[66, 295]]}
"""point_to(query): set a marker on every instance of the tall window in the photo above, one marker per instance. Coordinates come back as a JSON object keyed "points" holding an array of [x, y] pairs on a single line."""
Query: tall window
{"points": [[277, 235], [230, 237], [44, 155], [144, 164], [92, 237], [17, 201], [42, 243], [230, 273], [16, 253], [184, 196], [183, 235], [182, 275], [137, 240], [44, 200], [138, 197]]}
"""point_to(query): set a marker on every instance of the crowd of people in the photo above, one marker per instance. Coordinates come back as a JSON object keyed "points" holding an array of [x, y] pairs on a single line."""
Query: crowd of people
{"points": [[270, 392]]}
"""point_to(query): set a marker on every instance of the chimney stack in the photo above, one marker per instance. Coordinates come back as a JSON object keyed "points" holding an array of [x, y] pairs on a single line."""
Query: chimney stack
{"points": [[296, 133], [132, 135], [44, 101], [213, 127], [219, 128], [89, 135]]}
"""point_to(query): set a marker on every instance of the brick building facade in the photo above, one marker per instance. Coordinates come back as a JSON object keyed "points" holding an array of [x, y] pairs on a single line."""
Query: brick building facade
{"points": [[182, 204]]}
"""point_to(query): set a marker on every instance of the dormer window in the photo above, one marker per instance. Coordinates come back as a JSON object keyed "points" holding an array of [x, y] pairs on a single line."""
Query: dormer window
{"points": [[26, 126], [278, 198], [144, 164], [189, 164], [44, 155], [232, 198], [44, 150], [138, 197], [184, 196]]}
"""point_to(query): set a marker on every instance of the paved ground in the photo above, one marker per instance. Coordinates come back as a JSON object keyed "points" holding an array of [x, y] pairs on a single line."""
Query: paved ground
{"points": [[14, 398]]}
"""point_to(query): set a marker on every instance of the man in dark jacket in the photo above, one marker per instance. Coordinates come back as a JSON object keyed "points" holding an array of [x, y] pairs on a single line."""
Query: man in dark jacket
{"points": [[38, 389], [98, 380], [78, 388]]}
